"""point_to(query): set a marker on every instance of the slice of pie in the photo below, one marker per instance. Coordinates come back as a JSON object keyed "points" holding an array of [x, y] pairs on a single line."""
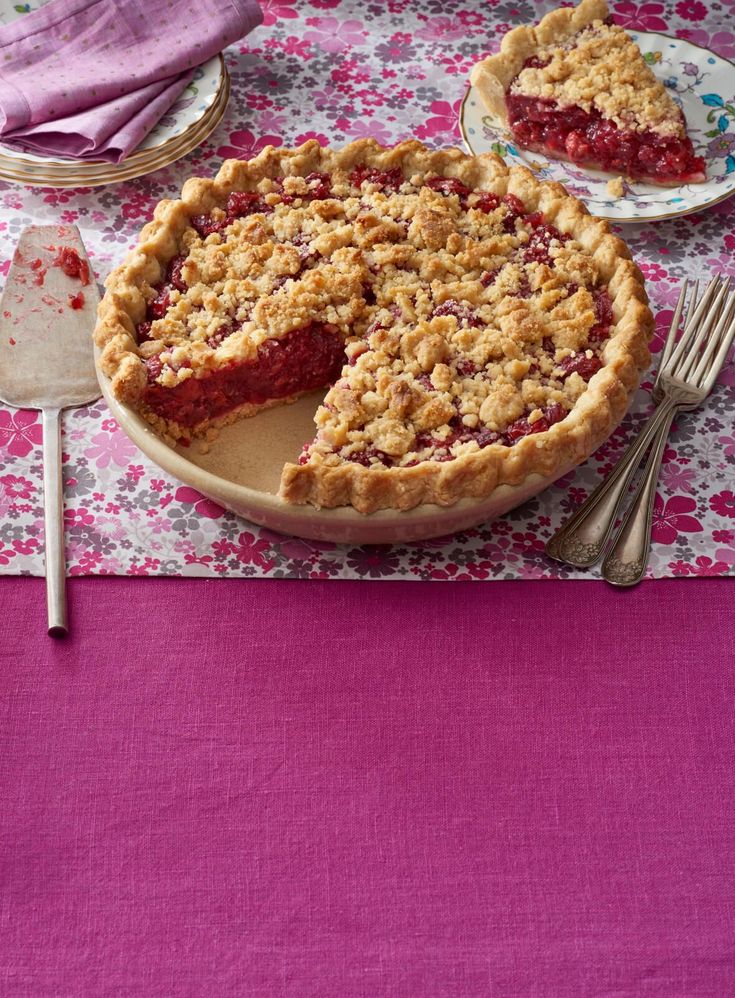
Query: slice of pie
{"points": [[576, 87], [469, 325]]}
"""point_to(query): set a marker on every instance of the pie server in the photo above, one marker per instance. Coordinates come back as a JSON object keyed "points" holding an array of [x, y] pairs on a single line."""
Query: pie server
{"points": [[47, 316]]}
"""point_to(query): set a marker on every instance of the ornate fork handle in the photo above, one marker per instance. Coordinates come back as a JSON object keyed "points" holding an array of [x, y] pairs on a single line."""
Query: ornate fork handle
{"points": [[625, 562], [581, 540]]}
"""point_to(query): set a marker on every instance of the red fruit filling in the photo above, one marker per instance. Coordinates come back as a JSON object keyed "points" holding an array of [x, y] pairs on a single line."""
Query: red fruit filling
{"points": [[364, 457], [320, 186], [515, 209], [143, 330], [464, 315], [307, 253], [206, 225], [585, 137], [221, 335], [39, 272], [158, 307], [174, 274], [450, 185], [386, 180], [536, 249], [243, 203], [486, 202], [72, 264], [582, 365], [239, 204], [301, 361], [465, 367], [604, 315], [553, 413]]}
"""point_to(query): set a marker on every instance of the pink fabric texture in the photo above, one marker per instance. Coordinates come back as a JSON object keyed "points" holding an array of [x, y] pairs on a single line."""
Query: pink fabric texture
{"points": [[264, 788], [88, 79]]}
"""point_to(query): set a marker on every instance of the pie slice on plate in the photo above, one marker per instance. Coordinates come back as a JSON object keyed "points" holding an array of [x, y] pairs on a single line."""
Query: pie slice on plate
{"points": [[468, 326], [576, 87]]}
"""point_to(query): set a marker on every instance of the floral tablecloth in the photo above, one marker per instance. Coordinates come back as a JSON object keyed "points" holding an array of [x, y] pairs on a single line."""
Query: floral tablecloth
{"points": [[336, 70]]}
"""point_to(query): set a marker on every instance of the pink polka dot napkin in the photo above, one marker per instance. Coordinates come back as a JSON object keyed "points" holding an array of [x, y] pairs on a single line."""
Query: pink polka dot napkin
{"points": [[88, 79]]}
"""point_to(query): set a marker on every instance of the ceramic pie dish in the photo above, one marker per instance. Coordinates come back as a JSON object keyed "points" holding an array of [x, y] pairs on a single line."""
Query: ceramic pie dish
{"points": [[241, 471], [473, 334]]}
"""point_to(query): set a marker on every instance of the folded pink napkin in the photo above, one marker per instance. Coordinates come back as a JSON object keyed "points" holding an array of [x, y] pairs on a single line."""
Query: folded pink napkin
{"points": [[88, 79]]}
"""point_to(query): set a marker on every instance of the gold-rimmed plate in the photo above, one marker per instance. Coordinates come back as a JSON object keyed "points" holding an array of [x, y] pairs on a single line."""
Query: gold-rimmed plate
{"points": [[700, 81], [196, 104], [82, 175]]}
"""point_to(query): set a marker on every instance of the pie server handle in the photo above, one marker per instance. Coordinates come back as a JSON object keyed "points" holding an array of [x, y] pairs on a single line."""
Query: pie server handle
{"points": [[53, 509]]}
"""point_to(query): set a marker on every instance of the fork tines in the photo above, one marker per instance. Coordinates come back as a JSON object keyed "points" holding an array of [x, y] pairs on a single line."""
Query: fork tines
{"points": [[706, 335]]}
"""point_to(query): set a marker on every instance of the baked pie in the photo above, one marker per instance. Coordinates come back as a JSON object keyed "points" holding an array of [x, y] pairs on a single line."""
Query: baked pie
{"points": [[576, 87], [471, 326]]}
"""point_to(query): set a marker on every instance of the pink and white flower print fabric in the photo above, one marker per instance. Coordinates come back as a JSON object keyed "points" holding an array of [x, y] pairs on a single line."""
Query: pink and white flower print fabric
{"points": [[336, 70]]}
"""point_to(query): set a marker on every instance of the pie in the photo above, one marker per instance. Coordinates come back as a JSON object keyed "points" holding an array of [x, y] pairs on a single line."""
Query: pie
{"points": [[576, 87], [468, 325]]}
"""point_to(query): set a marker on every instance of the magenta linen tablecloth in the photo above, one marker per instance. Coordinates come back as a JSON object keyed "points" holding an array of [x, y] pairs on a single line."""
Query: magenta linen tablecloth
{"points": [[234, 788]]}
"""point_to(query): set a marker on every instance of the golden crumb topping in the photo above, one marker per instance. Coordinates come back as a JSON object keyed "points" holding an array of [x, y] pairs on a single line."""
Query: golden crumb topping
{"points": [[601, 67], [466, 320]]}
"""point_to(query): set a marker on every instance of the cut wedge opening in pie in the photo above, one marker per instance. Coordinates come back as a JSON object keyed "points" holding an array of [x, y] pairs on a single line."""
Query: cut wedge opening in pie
{"points": [[469, 325], [577, 87]]}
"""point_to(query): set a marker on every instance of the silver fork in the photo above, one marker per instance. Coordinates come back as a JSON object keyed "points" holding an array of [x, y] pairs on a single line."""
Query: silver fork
{"points": [[582, 538], [686, 375], [682, 385]]}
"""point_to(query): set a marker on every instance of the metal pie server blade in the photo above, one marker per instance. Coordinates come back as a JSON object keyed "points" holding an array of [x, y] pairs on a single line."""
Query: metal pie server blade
{"points": [[47, 315]]}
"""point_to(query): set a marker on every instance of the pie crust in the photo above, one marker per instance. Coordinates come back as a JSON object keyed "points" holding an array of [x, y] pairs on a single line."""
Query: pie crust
{"points": [[580, 409], [602, 73]]}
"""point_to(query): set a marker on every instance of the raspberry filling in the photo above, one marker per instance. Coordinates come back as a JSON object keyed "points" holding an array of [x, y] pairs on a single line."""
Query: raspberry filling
{"points": [[300, 361], [385, 180], [586, 138], [72, 264]]}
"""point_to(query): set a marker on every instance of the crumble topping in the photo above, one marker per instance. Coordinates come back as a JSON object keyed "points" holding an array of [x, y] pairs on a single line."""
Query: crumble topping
{"points": [[602, 68], [464, 320]]}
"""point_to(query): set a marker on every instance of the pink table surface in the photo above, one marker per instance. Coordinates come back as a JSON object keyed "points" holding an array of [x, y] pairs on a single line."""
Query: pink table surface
{"points": [[255, 787]]}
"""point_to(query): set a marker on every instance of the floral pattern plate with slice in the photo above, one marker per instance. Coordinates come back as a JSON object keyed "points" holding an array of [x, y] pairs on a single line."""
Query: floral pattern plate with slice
{"points": [[701, 82]]}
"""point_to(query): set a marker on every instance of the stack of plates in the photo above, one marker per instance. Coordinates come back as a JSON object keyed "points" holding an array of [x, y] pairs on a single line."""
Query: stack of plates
{"points": [[185, 126]]}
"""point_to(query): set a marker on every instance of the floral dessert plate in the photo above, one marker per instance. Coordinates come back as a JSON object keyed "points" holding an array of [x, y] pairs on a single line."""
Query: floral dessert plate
{"points": [[702, 82]]}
